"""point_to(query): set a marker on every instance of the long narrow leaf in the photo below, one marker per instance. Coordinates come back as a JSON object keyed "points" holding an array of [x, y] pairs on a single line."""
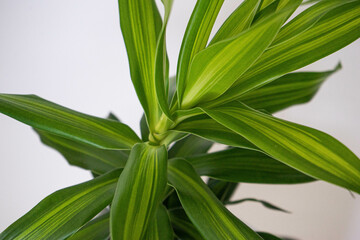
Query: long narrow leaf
{"points": [[207, 213], [141, 24], [183, 227], [188, 146], [238, 21], [336, 29], [262, 202], [291, 89], [216, 68], [83, 155], [65, 211], [55, 119], [195, 39], [306, 149], [242, 165], [160, 227], [222, 190], [139, 192]]}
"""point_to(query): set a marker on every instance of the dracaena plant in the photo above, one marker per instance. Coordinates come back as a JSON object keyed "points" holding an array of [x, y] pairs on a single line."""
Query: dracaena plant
{"points": [[225, 90]]}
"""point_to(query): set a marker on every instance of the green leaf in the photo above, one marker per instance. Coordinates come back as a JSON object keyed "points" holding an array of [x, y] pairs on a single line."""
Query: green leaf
{"points": [[144, 129], [83, 155], [308, 150], [141, 24], [162, 64], [238, 21], [242, 165], [268, 236], [55, 119], [139, 191], [188, 146], [216, 68], [207, 213], [336, 29], [277, 6], [222, 190], [207, 128], [195, 38], [96, 229], [62, 213], [183, 227], [291, 89], [265, 3], [264, 203], [160, 227]]}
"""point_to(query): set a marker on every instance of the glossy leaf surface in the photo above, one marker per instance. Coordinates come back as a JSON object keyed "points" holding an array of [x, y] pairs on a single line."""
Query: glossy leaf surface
{"points": [[139, 191], [207, 213], [55, 119], [65, 211]]}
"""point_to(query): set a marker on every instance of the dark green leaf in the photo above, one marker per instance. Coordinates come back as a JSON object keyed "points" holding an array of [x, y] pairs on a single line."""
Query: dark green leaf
{"points": [[264, 203], [183, 227], [222, 190], [188, 146], [160, 227]]}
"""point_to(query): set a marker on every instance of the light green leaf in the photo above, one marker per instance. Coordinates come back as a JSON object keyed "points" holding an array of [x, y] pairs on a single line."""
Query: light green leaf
{"points": [[139, 192], [264, 203], [141, 24], [308, 150], [83, 155], [188, 146], [183, 227], [209, 129], [216, 68], [242, 165], [162, 64], [160, 227], [288, 90], [238, 21], [336, 29], [62, 213], [195, 38], [207, 213], [55, 119], [96, 229]]}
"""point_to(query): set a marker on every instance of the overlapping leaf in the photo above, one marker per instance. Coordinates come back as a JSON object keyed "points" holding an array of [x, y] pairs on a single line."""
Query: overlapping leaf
{"points": [[306, 149], [65, 211], [207, 213], [141, 24], [160, 227], [242, 165], [139, 191], [55, 119]]}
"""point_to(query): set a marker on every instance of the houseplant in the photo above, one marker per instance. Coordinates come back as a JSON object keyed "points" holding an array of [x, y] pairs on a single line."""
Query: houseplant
{"points": [[218, 87]]}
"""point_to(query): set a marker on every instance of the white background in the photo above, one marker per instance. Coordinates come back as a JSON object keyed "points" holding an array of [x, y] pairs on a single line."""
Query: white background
{"points": [[71, 52]]}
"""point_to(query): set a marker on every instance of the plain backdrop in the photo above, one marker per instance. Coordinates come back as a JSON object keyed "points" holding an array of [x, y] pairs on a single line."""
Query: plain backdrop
{"points": [[71, 52]]}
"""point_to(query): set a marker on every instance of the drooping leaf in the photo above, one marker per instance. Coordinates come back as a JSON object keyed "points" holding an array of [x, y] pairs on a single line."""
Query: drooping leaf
{"points": [[216, 68], [141, 24], [188, 146], [55, 119], [160, 227], [162, 64], [264, 203], [96, 229], [209, 129], [242, 165], [62, 213], [207, 213], [336, 29], [238, 21], [291, 89], [308, 150], [223, 190], [195, 38], [139, 191], [83, 155], [183, 227]]}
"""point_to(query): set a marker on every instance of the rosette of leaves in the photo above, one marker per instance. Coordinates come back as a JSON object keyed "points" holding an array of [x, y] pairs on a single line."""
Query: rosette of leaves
{"points": [[225, 91]]}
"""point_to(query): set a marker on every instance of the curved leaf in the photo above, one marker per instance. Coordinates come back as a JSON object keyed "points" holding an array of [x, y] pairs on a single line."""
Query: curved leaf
{"points": [[160, 227], [291, 89], [242, 165], [139, 192], [188, 146], [65, 211], [207, 213], [222, 190], [303, 148], [53, 118], [183, 227], [264, 203], [141, 24], [195, 38]]}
